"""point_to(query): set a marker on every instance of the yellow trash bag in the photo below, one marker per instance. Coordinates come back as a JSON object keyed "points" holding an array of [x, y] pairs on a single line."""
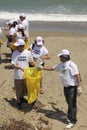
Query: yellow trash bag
{"points": [[27, 44], [33, 78], [1, 42], [12, 47]]}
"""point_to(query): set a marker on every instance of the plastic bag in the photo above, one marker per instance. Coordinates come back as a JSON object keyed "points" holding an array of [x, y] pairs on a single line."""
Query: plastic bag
{"points": [[27, 44], [33, 78], [12, 47]]}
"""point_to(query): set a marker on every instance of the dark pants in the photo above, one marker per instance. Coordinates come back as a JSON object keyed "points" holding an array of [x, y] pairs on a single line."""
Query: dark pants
{"points": [[71, 96]]}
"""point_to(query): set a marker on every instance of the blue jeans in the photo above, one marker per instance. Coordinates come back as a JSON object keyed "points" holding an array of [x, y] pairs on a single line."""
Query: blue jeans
{"points": [[71, 97]]}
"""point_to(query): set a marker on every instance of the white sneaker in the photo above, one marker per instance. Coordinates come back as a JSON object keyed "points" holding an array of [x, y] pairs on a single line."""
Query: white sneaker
{"points": [[70, 125]]}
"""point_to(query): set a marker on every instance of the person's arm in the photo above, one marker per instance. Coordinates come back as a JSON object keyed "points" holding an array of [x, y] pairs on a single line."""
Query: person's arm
{"points": [[45, 68], [48, 68], [16, 66], [79, 88], [78, 79], [47, 56]]}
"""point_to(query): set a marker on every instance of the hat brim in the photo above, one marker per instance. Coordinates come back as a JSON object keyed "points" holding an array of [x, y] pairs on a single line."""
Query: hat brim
{"points": [[16, 44], [59, 54]]}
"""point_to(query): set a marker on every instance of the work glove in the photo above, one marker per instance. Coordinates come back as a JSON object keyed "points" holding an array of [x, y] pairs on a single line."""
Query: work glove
{"points": [[79, 91]]}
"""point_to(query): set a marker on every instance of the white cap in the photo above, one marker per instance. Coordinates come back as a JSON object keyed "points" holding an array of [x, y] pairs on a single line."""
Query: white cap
{"points": [[64, 52], [20, 26], [39, 40], [22, 15], [10, 22], [19, 42]]}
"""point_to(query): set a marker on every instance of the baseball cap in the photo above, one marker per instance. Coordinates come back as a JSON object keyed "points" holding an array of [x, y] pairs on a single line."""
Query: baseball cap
{"points": [[22, 15], [20, 26], [39, 40], [10, 22], [19, 42], [64, 52]]}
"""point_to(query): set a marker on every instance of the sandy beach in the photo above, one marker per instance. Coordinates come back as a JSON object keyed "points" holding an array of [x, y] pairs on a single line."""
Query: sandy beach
{"points": [[54, 42]]}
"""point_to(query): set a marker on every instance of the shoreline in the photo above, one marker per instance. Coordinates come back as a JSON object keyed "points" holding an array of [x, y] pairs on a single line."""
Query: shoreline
{"points": [[45, 26], [73, 27], [56, 34]]}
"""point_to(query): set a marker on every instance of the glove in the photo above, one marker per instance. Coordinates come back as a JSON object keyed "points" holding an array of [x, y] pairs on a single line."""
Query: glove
{"points": [[79, 91], [40, 67]]}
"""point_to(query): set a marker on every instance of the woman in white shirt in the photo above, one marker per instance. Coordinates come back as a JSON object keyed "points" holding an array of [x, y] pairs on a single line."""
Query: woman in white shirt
{"points": [[39, 53]]}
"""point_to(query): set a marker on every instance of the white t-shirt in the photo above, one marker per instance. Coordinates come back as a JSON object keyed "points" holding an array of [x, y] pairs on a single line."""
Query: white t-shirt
{"points": [[67, 71], [37, 52], [19, 35], [22, 60], [11, 31], [25, 24]]}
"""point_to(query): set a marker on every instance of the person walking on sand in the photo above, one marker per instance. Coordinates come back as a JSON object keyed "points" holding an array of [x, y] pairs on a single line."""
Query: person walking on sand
{"points": [[20, 60], [25, 23], [39, 53], [11, 33], [71, 81]]}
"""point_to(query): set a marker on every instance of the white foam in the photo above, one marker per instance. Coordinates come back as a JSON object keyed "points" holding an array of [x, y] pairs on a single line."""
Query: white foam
{"points": [[44, 17]]}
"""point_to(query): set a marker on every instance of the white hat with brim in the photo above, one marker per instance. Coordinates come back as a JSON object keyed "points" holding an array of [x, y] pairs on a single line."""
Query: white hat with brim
{"points": [[20, 26], [10, 22], [22, 15], [64, 52], [39, 41], [19, 42]]}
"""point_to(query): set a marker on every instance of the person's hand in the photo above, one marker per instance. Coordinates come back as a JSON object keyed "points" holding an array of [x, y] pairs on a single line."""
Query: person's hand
{"points": [[22, 69], [40, 67], [79, 91]]}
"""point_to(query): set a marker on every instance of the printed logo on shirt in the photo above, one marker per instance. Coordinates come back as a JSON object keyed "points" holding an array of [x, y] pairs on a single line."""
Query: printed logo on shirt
{"points": [[22, 58], [63, 72], [36, 51]]}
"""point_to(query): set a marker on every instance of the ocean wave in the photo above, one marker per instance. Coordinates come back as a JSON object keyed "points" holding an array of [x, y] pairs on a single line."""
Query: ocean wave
{"points": [[45, 17]]}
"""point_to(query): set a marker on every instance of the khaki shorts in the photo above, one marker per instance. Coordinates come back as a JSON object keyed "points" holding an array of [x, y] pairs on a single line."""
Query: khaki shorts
{"points": [[21, 89]]}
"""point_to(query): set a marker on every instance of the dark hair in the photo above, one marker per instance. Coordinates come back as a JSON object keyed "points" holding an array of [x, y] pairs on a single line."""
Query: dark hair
{"points": [[67, 57], [15, 23]]}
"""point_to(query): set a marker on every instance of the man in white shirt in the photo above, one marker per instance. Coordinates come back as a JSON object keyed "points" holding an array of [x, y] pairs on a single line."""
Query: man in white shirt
{"points": [[20, 60], [25, 24], [71, 80]]}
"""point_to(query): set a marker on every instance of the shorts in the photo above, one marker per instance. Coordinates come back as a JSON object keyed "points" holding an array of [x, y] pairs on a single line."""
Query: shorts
{"points": [[21, 89]]}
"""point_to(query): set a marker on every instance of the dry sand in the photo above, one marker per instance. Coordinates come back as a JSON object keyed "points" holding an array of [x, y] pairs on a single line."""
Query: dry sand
{"points": [[55, 42]]}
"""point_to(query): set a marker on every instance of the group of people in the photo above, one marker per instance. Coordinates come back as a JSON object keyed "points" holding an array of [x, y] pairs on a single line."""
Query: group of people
{"points": [[23, 58], [18, 30]]}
